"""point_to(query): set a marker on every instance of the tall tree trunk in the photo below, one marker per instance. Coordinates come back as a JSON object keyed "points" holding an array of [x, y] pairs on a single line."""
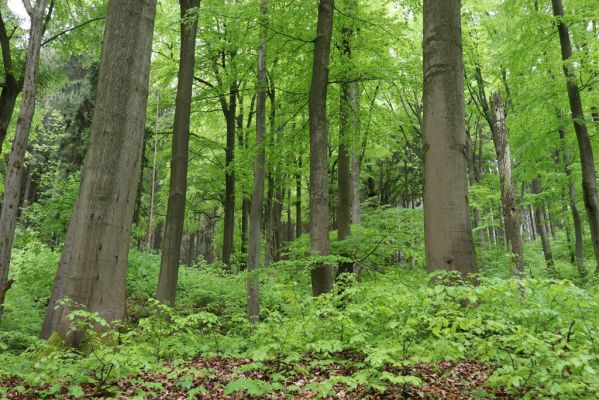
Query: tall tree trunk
{"points": [[536, 189], [448, 232], [589, 177], [229, 205], [175, 212], [321, 275], [245, 203], [578, 235], [16, 161], [253, 283], [101, 223], [508, 198]]}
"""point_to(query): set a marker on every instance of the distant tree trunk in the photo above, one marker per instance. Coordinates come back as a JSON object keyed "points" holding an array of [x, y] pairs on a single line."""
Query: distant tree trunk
{"points": [[578, 236], [321, 275], [253, 283], [175, 212], [289, 226], [508, 198], [101, 223], [16, 161], [448, 231], [229, 205], [150, 229], [191, 249], [589, 176], [356, 214], [245, 202], [542, 229], [299, 229], [268, 212]]}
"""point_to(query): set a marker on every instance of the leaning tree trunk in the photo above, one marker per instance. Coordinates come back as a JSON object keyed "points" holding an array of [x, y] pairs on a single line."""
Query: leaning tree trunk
{"points": [[508, 197], [253, 263], [175, 212], [448, 232], [101, 224], [16, 161], [589, 176], [321, 275], [541, 227]]}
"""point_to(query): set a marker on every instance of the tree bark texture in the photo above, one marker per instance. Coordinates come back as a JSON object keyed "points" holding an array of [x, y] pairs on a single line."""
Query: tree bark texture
{"points": [[542, 228], [448, 232], [321, 275], [101, 223]]}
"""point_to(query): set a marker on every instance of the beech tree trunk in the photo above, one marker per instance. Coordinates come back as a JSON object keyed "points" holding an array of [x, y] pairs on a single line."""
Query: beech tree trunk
{"points": [[229, 204], [508, 198], [150, 228], [16, 161], [356, 214], [100, 228], [448, 232], [321, 275], [175, 213], [253, 283], [542, 229], [589, 176]]}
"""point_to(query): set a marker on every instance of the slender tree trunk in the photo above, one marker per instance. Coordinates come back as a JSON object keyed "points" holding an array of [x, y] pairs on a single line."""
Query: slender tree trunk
{"points": [[536, 188], [355, 155], [101, 223], [229, 218], [448, 232], [321, 275], [16, 161], [589, 177], [508, 198], [175, 212], [253, 283], [578, 235], [299, 229], [150, 230], [245, 202]]}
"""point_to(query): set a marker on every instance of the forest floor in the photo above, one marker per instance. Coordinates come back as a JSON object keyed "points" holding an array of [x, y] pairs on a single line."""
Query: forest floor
{"points": [[221, 378]]}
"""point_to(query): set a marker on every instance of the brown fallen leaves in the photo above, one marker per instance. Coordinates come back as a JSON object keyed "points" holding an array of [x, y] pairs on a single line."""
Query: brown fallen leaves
{"points": [[208, 379]]}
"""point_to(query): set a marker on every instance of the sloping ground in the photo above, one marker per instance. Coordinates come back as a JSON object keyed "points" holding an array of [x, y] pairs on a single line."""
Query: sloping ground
{"points": [[219, 378]]}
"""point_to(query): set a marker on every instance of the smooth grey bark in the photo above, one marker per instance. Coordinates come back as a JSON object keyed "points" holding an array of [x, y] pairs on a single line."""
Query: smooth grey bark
{"points": [[448, 233], [511, 214], [175, 212], [16, 162], [356, 213], [587, 163], [321, 275], [101, 224], [542, 228], [150, 229], [229, 203], [253, 283]]}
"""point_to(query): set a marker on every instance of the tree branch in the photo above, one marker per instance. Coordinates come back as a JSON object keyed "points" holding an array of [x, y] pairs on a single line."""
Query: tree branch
{"points": [[27, 4], [68, 30]]}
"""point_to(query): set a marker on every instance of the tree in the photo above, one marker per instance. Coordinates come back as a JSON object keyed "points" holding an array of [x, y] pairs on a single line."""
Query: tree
{"points": [[448, 233], [322, 275], [96, 262], [511, 215], [175, 214], [587, 162], [253, 284], [16, 163]]}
